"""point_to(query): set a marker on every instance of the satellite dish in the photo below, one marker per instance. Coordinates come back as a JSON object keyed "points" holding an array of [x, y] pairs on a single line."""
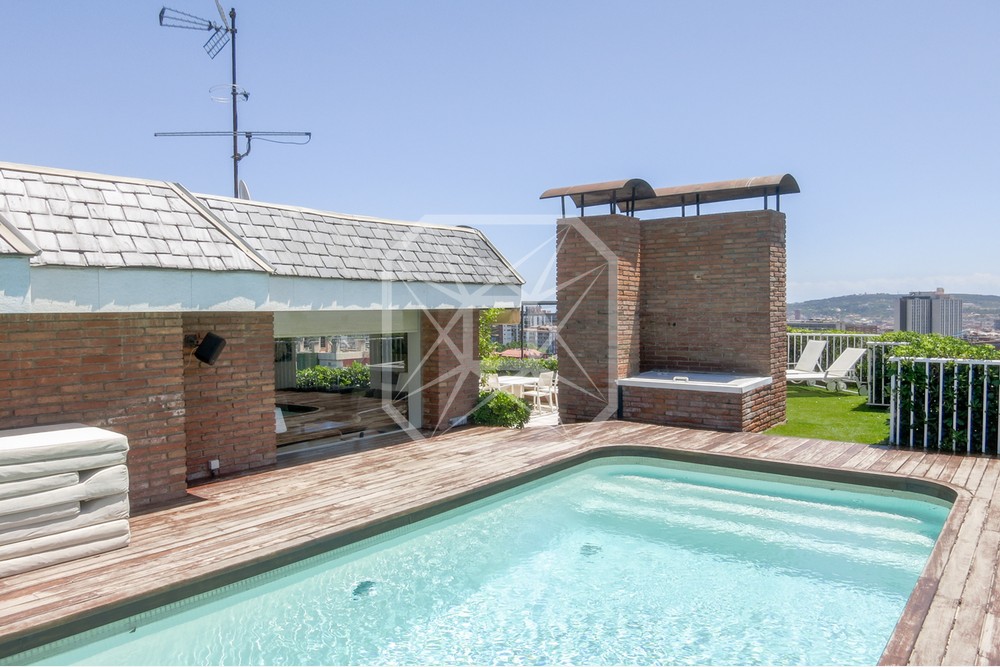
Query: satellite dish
{"points": [[244, 191]]}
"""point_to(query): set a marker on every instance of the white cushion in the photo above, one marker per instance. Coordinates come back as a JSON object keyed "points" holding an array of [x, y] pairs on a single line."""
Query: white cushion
{"points": [[9, 473], [99, 483], [91, 513], [42, 443], [63, 554], [25, 487]]}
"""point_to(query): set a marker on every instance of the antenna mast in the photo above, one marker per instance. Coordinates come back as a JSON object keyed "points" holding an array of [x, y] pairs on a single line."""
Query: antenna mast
{"points": [[221, 35], [231, 27]]}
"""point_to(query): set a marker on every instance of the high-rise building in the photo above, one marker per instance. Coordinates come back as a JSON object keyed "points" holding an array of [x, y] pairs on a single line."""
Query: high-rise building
{"points": [[930, 312]]}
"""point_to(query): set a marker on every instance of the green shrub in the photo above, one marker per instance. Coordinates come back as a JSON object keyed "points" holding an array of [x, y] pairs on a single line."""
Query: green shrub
{"points": [[317, 377], [514, 366], [324, 378], [355, 375], [498, 408], [815, 331], [936, 346], [945, 396]]}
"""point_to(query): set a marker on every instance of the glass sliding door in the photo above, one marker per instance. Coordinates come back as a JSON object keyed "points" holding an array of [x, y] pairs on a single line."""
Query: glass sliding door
{"points": [[341, 385]]}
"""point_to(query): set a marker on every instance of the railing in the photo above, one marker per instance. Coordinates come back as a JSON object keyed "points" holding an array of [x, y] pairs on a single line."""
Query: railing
{"points": [[945, 404], [878, 375], [835, 344], [870, 372]]}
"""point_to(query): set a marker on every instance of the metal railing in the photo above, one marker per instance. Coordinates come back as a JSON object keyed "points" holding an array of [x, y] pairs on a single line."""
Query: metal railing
{"points": [[872, 373], [878, 372], [835, 344], [946, 404]]}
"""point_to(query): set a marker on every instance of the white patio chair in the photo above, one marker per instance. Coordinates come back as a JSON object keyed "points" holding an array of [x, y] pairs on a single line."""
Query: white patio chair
{"points": [[546, 388], [491, 382], [808, 361], [836, 377]]}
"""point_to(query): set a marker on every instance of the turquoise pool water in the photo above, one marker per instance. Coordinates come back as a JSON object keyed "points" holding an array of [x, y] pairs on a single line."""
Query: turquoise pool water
{"points": [[631, 561]]}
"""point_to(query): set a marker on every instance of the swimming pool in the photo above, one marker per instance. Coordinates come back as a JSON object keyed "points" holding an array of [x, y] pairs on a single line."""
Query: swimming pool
{"points": [[624, 560]]}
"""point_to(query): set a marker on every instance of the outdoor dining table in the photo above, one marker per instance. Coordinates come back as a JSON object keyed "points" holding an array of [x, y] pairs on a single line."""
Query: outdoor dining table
{"points": [[516, 383]]}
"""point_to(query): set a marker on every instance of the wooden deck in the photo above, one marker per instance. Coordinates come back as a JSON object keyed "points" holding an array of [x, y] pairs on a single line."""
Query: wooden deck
{"points": [[233, 525]]}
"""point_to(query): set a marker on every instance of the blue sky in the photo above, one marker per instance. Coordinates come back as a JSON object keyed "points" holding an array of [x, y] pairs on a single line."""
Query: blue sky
{"points": [[885, 112]]}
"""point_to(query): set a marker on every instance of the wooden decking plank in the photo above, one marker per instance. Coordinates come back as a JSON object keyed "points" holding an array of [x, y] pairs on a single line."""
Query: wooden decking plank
{"points": [[961, 474], [949, 465], [886, 459], [894, 463], [963, 642], [953, 580], [934, 633], [864, 459], [989, 642], [913, 459]]}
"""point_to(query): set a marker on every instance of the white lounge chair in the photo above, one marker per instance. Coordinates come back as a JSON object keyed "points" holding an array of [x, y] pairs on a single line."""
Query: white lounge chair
{"points": [[808, 361], [836, 377]]}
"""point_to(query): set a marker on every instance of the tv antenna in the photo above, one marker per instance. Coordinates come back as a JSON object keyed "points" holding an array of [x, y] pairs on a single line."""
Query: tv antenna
{"points": [[222, 34]]}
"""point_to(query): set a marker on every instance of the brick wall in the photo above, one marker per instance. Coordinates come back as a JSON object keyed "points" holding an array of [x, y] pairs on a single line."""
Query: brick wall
{"points": [[752, 411], [230, 405], [450, 341], [708, 291], [675, 407], [598, 273], [122, 372], [764, 407], [700, 293]]}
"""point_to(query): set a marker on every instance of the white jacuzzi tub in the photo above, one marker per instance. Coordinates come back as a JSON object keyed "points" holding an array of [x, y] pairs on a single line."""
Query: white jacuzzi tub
{"points": [[723, 383]]}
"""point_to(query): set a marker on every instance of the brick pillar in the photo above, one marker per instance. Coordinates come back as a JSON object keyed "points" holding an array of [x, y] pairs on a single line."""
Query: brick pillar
{"points": [[449, 341], [230, 405], [597, 271]]}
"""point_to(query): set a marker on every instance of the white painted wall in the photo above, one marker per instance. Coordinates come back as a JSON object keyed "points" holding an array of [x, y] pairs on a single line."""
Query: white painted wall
{"points": [[14, 284], [48, 289]]}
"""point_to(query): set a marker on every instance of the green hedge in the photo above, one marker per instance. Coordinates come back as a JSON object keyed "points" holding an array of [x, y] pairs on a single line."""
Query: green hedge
{"points": [[325, 378], [511, 366], [936, 346], [959, 386], [498, 408]]}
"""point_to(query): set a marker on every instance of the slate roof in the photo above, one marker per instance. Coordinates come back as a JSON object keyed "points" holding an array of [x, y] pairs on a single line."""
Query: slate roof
{"points": [[307, 243], [91, 220]]}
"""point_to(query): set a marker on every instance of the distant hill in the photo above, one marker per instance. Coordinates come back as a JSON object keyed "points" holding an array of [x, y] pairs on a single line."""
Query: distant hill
{"points": [[880, 306]]}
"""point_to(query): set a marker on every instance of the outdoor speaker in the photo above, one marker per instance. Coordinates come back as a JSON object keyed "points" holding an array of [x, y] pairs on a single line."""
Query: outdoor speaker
{"points": [[209, 348]]}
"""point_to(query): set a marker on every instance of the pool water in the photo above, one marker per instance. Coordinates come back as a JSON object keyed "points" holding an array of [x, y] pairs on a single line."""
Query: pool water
{"points": [[631, 561]]}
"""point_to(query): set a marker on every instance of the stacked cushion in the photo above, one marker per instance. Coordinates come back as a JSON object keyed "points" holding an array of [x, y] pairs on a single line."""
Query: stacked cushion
{"points": [[63, 495]]}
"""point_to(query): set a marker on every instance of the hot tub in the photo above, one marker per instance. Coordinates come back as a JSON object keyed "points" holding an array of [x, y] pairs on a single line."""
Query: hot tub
{"points": [[695, 399]]}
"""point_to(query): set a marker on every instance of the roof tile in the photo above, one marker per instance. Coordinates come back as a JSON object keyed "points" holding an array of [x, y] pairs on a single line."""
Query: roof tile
{"points": [[91, 220]]}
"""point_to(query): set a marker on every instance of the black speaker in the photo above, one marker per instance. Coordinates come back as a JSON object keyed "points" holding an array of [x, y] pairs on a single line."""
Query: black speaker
{"points": [[209, 348]]}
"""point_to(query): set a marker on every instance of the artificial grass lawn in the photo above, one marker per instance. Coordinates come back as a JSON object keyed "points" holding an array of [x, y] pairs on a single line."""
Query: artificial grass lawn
{"points": [[814, 412]]}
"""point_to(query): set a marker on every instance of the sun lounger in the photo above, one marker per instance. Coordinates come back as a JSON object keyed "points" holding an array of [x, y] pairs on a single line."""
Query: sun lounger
{"points": [[808, 361], [836, 377]]}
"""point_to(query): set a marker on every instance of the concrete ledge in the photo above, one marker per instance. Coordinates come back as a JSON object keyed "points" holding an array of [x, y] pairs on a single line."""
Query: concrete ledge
{"points": [[722, 383]]}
